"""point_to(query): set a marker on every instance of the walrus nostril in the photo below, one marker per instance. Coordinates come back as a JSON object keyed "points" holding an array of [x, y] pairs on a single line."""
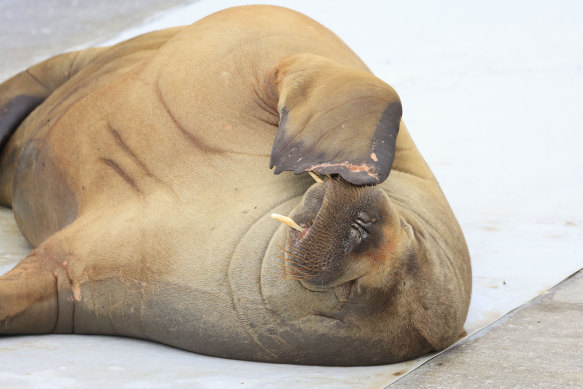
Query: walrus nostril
{"points": [[361, 227], [362, 230]]}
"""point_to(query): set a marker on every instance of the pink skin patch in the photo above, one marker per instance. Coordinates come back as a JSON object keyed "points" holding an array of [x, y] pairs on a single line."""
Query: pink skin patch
{"points": [[300, 235], [373, 156], [363, 167]]}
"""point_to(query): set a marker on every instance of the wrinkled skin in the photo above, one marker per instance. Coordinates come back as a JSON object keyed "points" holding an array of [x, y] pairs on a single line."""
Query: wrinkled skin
{"points": [[141, 175]]}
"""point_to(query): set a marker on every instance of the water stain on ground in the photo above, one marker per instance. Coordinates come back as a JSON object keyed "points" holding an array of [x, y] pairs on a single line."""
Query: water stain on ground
{"points": [[489, 228], [29, 344]]}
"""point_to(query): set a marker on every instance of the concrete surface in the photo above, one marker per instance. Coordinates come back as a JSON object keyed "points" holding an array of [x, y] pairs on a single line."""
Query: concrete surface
{"points": [[538, 345], [32, 30]]}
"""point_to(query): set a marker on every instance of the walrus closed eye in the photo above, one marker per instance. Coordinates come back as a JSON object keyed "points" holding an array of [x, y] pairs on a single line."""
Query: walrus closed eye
{"points": [[141, 174]]}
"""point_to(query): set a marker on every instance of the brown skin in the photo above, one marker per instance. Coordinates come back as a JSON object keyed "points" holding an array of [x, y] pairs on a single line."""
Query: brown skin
{"points": [[143, 181]]}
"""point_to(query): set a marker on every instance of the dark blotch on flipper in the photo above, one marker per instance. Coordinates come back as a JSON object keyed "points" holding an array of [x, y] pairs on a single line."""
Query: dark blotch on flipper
{"points": [[371, 169], [43, 198], [13, 113]]}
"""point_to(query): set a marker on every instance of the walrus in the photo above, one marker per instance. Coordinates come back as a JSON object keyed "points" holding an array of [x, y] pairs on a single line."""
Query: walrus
{"points": [[143, 176]]}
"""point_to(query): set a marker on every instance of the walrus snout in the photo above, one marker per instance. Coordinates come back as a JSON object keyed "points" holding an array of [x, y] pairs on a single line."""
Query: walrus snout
{"points": [[341, 224]]}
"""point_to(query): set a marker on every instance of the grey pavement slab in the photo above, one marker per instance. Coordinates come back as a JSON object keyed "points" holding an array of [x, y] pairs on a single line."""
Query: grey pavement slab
{"points": [[538, 345]]}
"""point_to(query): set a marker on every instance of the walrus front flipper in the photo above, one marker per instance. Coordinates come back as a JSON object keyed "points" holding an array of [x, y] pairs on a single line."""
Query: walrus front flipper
{"points": [[35, 297], [334, 120]]}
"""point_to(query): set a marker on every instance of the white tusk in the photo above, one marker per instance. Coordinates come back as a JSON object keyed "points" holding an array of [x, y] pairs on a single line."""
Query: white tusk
{"points": [[288, 221], [315, 177]]}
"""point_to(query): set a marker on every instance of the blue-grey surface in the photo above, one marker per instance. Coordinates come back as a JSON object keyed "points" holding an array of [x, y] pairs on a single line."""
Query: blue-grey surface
{"points": [[31, 30]]}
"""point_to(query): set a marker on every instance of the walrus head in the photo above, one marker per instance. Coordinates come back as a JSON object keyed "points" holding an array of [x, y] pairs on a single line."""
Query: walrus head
{"points": [[342, 232], [372, 271], [343, 122]]}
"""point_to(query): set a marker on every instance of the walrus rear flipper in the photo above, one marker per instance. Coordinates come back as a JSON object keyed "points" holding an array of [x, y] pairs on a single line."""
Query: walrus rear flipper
{"points": [[14, 112], [21, 94], [334, 120]]}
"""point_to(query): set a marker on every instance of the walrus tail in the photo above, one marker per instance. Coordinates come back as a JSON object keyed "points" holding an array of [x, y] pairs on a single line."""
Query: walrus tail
{"points": [[21, 94]]}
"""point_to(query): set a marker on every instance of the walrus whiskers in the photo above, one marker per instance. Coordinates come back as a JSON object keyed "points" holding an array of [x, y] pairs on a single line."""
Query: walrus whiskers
{"points": [[287, 221]]}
